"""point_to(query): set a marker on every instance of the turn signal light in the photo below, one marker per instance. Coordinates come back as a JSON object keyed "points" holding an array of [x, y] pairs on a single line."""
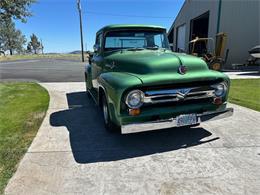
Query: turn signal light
{"points": [[217, 101], [134, 112]]}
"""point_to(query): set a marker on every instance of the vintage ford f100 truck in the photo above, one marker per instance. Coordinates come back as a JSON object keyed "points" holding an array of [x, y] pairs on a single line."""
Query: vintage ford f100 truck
{"points": [[142, 85]]}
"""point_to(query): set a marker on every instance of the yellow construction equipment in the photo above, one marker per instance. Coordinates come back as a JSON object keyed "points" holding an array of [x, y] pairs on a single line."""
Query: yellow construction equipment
{"points": [[212, 52]]}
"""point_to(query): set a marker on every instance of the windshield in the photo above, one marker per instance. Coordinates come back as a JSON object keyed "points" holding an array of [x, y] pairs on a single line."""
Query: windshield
{"points": [[128, 39]]}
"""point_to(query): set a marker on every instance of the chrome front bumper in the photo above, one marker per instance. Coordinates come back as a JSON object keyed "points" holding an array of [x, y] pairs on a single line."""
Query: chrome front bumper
{"points": [[168, 123]]}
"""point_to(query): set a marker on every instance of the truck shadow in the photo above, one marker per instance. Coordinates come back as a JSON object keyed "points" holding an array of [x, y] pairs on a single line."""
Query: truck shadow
{"points": [[90, 142]]}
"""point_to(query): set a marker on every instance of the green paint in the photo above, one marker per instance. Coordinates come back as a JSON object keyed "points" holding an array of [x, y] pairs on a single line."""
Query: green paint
{"points": [[219, 15], [144, 68]]}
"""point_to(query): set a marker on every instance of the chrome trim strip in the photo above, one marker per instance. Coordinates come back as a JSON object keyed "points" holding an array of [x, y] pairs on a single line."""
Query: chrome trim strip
{"points": [[179, 96], [169, 91], [171, 122]]}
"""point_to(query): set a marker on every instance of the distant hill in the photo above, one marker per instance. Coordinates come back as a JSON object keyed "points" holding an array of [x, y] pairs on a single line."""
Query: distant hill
{"points": [[75, 52], [79, 52]]}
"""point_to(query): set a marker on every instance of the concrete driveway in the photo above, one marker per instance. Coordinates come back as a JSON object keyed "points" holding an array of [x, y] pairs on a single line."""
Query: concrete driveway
{"points": [[244, 74], [73, 154]]}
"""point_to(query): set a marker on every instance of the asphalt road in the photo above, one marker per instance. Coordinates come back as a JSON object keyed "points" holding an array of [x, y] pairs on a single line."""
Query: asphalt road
{"points": [[72, 153], [59, 70], [43, 70]]}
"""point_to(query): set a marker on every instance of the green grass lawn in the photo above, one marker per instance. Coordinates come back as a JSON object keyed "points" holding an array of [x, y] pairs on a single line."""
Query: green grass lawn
{"points": [[40, 56], [245, 92], [22, 109]]}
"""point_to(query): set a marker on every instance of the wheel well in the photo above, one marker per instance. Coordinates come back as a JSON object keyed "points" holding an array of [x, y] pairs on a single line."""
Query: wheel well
{"points": [[101, 93]]}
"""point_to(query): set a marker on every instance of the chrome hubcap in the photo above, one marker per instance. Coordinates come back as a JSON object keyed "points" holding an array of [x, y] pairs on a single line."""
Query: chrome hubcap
{"points": [[105, 112]]}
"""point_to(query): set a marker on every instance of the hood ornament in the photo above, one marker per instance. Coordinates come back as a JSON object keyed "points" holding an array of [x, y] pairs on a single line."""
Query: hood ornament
{"points": [[182, 69]]}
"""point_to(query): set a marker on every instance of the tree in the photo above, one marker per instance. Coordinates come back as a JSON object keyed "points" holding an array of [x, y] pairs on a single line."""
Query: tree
{"points": [[29, 48], [15, 9], [41, 47], [35, 43], [10, 38]]}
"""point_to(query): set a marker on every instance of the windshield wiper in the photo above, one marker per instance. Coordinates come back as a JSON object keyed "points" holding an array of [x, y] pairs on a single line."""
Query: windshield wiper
{"points": [[128, 49]]}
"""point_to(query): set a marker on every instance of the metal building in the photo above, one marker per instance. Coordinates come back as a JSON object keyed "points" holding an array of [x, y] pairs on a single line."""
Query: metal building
{"points": [[239, 19]]}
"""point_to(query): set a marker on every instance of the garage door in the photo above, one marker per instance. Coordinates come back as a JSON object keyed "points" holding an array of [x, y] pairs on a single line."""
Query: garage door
{"points": [[181, 31]]}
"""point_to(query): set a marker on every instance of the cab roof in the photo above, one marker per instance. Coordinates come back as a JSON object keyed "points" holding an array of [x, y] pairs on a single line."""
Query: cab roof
{"points": [[130, 26]]}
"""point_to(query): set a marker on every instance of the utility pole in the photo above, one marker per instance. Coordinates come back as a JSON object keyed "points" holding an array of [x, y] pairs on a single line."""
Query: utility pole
{"points": [[81, 34]]}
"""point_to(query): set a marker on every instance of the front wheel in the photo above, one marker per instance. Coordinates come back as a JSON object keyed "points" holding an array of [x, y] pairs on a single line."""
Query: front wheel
{"points": [[109, 125]]}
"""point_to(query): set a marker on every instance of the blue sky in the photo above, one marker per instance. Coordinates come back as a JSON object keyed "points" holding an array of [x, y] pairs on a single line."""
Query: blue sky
{"points": [[56, 22]]}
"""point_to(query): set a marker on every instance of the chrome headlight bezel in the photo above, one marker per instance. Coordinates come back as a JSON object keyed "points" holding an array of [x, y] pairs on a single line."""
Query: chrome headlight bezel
{"points": [[138, 95], [220, 89]]}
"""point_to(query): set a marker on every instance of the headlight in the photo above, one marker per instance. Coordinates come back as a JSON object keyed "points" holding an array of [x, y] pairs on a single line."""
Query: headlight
{"points": [[220, 89], [135, 99]]}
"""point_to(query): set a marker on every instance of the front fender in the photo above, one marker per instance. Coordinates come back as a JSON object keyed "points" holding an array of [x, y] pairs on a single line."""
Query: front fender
{"points": [[114, 84]]}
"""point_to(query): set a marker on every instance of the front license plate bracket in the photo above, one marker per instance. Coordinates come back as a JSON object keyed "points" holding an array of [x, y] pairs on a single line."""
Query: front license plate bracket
{"points": [[186, 119]]}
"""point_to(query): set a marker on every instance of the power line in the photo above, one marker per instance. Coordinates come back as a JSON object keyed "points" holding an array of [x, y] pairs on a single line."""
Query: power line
{"points": [[125, 15]]}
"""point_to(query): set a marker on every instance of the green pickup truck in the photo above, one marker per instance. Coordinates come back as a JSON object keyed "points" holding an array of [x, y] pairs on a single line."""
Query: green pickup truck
{"points": [[142, 85]]}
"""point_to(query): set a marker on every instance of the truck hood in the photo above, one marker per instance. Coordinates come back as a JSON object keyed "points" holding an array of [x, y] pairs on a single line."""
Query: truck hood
{"points": [[147, 62], [159, 67]]}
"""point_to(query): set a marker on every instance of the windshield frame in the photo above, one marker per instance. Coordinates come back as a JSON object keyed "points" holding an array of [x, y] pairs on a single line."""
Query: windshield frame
{"points": [[163, 32]]}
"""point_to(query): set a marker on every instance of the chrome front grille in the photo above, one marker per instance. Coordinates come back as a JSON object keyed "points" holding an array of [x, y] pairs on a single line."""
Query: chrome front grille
{"points": [[176, 95]]}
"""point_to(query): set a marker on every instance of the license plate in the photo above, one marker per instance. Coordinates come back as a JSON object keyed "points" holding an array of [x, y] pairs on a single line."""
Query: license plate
{"points": [[186, 119]]}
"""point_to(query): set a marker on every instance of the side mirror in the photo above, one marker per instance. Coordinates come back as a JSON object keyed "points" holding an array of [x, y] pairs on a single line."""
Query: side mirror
{"points": [[96, 48]]}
